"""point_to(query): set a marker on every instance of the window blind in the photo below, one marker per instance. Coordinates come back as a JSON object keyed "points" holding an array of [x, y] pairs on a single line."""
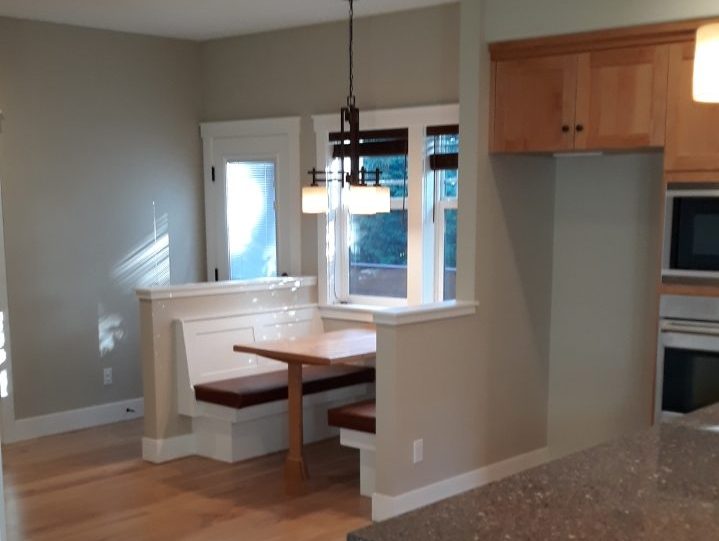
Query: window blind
{"points": [[372, 143], [251, 220], [443, 149]]}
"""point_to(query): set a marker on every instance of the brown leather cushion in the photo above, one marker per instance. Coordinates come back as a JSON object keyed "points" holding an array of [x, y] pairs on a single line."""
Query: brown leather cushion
{"points": [[360, 416], [262, 388]]}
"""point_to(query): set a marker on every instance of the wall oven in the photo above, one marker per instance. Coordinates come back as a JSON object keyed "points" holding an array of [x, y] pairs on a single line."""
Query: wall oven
{"points": [[691, 233], [688, 355]]}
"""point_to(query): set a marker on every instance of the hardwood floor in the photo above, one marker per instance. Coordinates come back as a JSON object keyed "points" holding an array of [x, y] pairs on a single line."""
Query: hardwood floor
{"points": [[93, 486]]}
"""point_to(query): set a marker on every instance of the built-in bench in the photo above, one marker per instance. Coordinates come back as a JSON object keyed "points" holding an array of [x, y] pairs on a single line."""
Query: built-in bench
{"points": [[237, 402], [249, 391], [360, 416], [357, 424]]}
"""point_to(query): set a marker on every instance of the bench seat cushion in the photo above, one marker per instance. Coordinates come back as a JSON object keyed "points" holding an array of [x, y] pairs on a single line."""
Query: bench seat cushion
{"points": [[360, 416], [263, 388]]}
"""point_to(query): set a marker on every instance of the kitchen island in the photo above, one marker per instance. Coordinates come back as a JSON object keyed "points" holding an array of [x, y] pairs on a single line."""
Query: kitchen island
{"points": [[659, 485]]}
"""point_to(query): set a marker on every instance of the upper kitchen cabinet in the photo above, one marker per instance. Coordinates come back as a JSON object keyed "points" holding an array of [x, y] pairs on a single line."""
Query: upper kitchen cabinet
{"points": [[622, 98], [599, 100], [534, 104], [692, 128]]}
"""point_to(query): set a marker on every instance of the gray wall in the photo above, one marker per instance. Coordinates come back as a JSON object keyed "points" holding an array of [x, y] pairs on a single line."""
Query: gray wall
{"points": [[98, 126], [479, 382], [605, 246], [604, 305], [512, 19], [402, 59]]}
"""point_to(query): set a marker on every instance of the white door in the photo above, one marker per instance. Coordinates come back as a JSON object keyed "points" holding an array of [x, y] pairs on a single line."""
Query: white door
{"points": [[251, 201]]}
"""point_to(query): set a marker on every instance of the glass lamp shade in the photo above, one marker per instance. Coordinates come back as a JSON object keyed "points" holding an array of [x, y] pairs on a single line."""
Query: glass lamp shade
{"points": [[314, 200], [706, 64], [369, 199]]}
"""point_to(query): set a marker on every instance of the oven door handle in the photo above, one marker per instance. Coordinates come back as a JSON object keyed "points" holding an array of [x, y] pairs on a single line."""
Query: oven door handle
{"points": [[706, 329]]}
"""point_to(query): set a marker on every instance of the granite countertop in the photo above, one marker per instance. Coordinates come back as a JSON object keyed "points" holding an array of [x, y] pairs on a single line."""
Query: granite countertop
{"points": [[659, 485]]}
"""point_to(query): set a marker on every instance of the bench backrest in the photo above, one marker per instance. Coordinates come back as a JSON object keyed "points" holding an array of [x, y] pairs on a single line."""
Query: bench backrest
{"points": [[203, 346]]}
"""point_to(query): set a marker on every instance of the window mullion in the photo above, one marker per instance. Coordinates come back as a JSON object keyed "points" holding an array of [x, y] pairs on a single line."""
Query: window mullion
{"points": [[415, 248], [343, 257], [441, 206]]}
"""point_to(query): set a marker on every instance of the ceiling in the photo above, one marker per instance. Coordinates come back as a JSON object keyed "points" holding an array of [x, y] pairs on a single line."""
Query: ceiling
{"points": [[198, 19]]}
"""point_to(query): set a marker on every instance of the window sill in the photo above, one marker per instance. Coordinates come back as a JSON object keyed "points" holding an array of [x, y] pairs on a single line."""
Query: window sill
{"points": [[399, 315], [407, 315], [204, 289], [363, 313]]}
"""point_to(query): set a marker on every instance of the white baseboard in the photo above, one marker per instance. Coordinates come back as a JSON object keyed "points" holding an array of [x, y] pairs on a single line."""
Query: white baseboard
{"points": [[385, 507], [68, 421], [159, 451]]}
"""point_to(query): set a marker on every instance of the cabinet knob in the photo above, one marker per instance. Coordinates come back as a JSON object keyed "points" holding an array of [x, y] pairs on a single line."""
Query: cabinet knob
{"points": [[580, 127], [565, 128]]}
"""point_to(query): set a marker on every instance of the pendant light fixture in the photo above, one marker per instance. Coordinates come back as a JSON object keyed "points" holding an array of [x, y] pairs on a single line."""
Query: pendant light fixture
{"points": [[366, 194], [706, 64]]}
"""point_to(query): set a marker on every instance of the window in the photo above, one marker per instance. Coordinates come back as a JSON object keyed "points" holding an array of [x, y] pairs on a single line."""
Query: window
{"points": [[252, 239], [394, 258], [443, 159], [376, 252], [252, 198]]}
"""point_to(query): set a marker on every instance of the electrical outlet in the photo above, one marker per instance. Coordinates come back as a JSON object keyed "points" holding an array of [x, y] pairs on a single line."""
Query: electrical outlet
{"points": [[417, 451], [107, 376]]}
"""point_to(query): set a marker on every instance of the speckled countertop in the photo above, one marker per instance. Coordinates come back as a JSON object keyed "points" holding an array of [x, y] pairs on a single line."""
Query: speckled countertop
{"points": [[659, 485]]}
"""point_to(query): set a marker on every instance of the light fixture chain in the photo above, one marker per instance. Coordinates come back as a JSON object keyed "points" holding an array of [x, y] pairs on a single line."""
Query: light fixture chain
{"points": [[351, 97]]}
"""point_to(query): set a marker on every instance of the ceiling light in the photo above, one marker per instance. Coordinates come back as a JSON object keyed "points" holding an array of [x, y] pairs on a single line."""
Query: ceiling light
{"points": [[370, 196], [368, 199], [706, 64], [314, 199]]}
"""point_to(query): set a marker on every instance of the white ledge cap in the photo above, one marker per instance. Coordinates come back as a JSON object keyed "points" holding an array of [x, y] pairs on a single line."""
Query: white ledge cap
{"points": [[406, 315], [204, 289]]}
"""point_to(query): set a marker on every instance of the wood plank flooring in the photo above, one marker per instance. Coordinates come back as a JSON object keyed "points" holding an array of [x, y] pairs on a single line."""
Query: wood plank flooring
{"points": [[92, 485]]}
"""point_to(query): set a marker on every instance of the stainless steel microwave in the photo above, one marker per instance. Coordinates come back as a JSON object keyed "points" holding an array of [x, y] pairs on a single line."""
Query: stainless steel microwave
{"points": [[691, 233]]}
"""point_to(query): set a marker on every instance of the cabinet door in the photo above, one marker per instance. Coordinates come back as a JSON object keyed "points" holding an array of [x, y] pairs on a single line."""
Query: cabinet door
{"points": [[534, 104], [622, 98], [692, 128]]}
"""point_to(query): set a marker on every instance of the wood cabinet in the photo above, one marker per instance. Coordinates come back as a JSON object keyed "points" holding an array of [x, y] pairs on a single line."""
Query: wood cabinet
{"points": [[599, 100], [534, 104], [622, 98], [692, 128]]}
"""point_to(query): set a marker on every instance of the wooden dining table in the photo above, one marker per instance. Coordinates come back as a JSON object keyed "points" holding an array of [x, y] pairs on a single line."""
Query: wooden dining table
{"points": [[353, 346]]}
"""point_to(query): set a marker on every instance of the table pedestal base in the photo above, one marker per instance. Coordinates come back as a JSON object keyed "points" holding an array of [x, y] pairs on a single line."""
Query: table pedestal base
{"points": [[295, 476], [295, 467]]}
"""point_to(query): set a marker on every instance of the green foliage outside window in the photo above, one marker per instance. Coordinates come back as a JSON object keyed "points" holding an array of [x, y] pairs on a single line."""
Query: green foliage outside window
{"points": [[381, 239], [450, 239]]}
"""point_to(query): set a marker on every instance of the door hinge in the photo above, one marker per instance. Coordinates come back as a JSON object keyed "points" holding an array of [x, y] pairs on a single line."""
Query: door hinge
{"points": [[213, 173], [217, 274]]}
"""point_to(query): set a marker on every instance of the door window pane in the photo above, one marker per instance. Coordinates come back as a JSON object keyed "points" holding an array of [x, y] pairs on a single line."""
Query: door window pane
{"points": [[378, 254], [251, 221], [450, 254]]}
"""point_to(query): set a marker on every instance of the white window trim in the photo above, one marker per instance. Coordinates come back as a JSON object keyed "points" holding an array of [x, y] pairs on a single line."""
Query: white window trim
{"points": [[287, 194], [420, 244], [441, 206]]}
